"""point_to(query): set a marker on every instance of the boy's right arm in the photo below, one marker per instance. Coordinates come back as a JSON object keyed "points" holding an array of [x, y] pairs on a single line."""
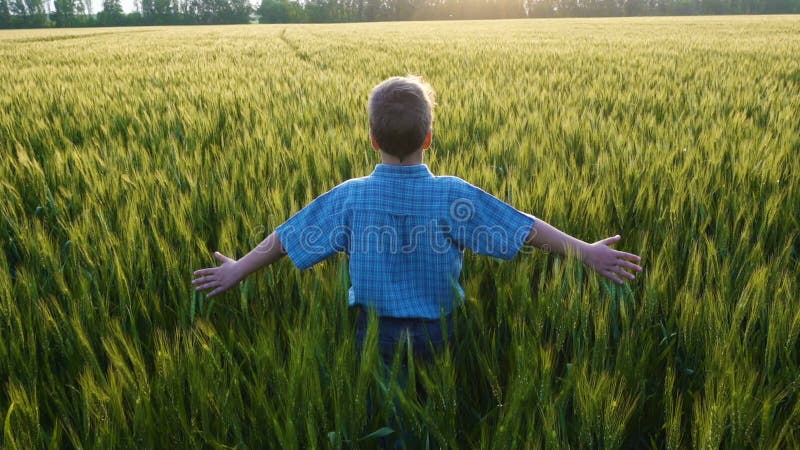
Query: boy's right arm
{"points": [[230, 271], [610, 263], [309, 236]]}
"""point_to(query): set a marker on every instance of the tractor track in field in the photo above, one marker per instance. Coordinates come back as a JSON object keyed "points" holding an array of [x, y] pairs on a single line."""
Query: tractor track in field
{"points": [[299, 53], [67, 37]]}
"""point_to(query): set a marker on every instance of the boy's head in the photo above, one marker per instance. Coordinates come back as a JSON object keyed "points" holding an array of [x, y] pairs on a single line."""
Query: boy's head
{"points": [[401, 115]]}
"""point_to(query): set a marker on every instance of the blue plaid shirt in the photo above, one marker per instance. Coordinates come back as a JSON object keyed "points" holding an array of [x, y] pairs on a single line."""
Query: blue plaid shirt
{"points": [[405, 231]]}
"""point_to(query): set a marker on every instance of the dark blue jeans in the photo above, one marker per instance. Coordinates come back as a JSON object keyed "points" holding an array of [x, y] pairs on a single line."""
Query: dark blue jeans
{"points": [[426, 337]]}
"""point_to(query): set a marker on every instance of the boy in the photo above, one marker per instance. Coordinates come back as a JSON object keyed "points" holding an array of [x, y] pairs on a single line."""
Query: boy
{"points": [[405, 229]]}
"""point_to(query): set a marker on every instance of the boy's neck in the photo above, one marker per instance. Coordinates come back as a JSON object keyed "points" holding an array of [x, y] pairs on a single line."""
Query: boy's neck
{"points": [[410, 160]]}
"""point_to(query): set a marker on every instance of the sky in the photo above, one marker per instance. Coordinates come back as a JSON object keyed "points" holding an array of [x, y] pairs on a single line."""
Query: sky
{"points": [[127, 5], [97, 5]]}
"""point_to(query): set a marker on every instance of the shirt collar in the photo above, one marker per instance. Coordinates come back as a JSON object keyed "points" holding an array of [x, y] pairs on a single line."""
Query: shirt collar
{"points": [[415, 171]]}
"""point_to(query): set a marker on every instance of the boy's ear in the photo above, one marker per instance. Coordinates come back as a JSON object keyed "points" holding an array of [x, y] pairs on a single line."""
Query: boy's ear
{"points": [[428, 140], [375, 145]]}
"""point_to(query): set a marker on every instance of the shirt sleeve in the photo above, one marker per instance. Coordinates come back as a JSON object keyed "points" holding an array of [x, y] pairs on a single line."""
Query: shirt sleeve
{"points": [[487, 225], [317, 231]]}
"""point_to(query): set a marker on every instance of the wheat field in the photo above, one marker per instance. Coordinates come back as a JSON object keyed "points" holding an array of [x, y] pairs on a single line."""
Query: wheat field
{"points": [[129, 155]]}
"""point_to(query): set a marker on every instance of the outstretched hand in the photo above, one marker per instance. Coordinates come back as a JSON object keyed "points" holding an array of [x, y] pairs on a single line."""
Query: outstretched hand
{"points": [[610, 263], [220, 278]]}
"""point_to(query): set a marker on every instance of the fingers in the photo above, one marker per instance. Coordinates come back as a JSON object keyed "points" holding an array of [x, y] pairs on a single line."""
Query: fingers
{"points": [[612, 276], [617, 274], [628, 256], [207, 286], [611, 240], [216, 291], [614, 264], [212, 277], [221, 258], [202, 280], [624, 273], [205, 278], [619, 254], [209, 271], [201, 272], [629, 265]]}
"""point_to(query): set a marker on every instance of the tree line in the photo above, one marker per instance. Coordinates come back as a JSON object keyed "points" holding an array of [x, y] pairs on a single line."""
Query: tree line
{"points": [[284, 11], [78, 13]]}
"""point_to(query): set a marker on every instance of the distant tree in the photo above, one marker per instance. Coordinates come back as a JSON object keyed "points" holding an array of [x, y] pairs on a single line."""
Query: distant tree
{"points": [[400, 9], [112, 14], [147, 9], [541, 8], [5, 14], [273, 11], [35, 14], [675, 7], [317, 11], [213, 9], [134, 18], [372, 10], [64, 14], [205, 11], [209, 11], [510, 9], [239, 11], [18, 9], [162, 13], [781, 6], [192, 10], [280, 11], [182, 12]]}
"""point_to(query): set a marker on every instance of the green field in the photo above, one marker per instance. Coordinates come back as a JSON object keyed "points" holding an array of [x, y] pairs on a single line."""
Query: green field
{"points": [[129, 155]]}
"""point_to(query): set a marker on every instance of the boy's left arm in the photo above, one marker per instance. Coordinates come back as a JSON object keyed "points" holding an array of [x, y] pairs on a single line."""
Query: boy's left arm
{"points": [[606, 261], [230, 271]]}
